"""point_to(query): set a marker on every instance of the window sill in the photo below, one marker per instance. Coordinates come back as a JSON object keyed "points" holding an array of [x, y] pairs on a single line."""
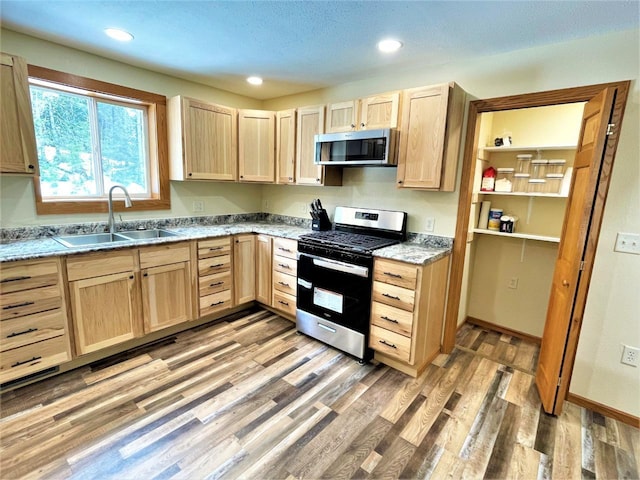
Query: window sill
{"points": [[99, 206]]}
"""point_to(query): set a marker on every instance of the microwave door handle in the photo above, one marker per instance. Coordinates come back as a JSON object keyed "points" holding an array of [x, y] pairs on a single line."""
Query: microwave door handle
{"points": [[342, 267]]}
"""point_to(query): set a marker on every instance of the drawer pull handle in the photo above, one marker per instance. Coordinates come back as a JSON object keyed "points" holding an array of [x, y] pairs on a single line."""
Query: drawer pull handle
{"points": [[217, 265], [217, 303], [215, 284], [17, 364], [392, 320], [15, 279], [284, 266], [215, 248], [283, 303], [284, 284], [15, 334], [384, 342], [391, 296], [284, 249], [394, 275], [18, 305]]}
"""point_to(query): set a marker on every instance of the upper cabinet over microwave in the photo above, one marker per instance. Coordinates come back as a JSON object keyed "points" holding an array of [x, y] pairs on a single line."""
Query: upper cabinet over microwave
{"points": [[366, 147], [370, 113]]}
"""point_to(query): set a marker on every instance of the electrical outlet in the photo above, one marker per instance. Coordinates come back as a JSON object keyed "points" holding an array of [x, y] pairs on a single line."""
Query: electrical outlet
{"points": [[266, 204], [429, 224], [198, 206], [513, 283], [304, 209], [630, 355], [627, 243]]}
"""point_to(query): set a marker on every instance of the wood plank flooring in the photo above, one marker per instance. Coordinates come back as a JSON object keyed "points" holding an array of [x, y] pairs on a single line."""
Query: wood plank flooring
{"points": [[249, 398]]}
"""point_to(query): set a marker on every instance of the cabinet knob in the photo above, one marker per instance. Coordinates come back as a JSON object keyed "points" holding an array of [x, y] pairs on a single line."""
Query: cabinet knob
{"points": [[317, 179], [130, 277], [190, 174], [399, 181], [565, 283], [31, 167], [362, 125], [145, 275], [353, 126]]}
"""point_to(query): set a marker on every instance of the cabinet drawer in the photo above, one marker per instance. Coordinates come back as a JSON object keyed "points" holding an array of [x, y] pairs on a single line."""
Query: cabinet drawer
{"points": [[285, 265], [23, 331], [23, 361], [285, 247], [211, 265], [284, 302], [284, 283], [214, 303], [164, 255], [394, 296], [99, 264], [214, 247], [390, 343], [215, 283], [400, 274], [392, 318], [19, 304], [15, 277]]}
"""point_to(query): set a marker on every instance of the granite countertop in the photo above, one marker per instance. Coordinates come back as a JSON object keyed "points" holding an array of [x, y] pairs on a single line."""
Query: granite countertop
{"points": [[419, 250]]}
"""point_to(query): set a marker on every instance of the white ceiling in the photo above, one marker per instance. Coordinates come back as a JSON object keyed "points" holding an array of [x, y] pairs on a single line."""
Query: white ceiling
{"points": [[303, 45]]}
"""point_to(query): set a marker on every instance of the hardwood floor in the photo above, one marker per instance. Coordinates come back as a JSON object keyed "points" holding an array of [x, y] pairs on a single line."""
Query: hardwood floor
{"points": [[249, 398]]}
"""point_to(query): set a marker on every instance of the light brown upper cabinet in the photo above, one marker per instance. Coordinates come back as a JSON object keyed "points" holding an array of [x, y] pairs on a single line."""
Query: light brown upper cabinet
{"points": [[310, 122], [18, 139], [203, 140], [256, 146], [378, 111], [430, 135], [286, 146]]}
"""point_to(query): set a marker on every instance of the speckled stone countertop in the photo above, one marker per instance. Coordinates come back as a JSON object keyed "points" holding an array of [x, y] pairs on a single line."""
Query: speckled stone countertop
{"points": [[420, 249]]}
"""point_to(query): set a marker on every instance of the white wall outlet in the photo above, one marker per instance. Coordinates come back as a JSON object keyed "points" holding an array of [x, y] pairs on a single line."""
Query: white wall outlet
{"points": [[197, 206], [304, 209], [513, 283], [429, 224], [265, 204], [630, 355], [627, 243]]}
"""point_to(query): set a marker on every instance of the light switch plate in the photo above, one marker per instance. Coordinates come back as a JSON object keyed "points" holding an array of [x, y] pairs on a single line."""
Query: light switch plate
{"points": [[627, 243], [198, 206], [429, 224]]}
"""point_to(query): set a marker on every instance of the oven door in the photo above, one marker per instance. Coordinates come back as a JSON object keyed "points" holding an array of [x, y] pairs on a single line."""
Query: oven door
{"points": [[336, 291]]}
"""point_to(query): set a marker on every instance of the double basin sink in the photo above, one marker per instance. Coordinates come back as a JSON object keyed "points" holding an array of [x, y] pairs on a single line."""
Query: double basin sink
{"points": [[91, 239]]}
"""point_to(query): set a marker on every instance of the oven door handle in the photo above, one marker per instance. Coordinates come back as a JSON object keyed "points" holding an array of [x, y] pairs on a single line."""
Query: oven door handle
{"points": [[342, 267]]}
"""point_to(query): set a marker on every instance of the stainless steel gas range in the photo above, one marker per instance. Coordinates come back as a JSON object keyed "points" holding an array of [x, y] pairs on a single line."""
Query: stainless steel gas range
{"points": [[335, 276]]}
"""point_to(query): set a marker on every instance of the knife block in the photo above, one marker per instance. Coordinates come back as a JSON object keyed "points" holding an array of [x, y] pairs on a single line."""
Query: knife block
{"points": [[322, 222]]}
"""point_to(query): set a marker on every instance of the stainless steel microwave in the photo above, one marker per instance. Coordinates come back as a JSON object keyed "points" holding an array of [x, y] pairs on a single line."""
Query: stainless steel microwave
{"points": [[357, 149]]}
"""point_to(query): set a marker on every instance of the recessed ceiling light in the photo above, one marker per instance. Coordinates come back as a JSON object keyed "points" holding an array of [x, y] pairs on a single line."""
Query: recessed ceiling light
{"points": [[254, 80], [118, 34], [389, 45]]}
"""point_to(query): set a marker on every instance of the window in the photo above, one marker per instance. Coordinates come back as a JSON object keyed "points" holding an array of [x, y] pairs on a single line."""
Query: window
{"points": [[92, 135]]}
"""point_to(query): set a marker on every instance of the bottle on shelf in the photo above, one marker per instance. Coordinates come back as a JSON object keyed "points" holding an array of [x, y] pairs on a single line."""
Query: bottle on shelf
{"points": [[488, 180]]}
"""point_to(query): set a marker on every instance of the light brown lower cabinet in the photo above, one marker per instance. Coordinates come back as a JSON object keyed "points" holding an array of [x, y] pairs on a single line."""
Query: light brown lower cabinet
{"points": [[263, 269], [285, 269], [244, 268], [407, 313], [214, 276]]}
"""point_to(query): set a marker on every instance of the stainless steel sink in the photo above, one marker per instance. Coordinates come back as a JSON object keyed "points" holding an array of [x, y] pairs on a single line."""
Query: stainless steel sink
{"points": [[146, 234], [71, 241]]}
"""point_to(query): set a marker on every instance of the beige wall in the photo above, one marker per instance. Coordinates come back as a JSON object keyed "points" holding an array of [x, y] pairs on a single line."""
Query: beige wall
{"points": [[611, 317]]}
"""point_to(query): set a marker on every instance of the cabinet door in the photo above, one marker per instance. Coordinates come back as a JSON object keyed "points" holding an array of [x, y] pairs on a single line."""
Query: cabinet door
{"points": [[210, 141], [166, 296], [310, 123], [341, 117], [286, 146], [17, 135], [380, 111], [105, 311], [430, 137], [256, 146], [244, 268], [263, 273]]}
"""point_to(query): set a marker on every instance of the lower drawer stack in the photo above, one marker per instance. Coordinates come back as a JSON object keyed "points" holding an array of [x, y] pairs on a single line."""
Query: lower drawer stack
{"points": [[214, 275]]}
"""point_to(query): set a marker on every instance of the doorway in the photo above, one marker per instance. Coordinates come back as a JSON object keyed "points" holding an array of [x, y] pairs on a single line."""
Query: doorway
{"points": [[593, 215]]}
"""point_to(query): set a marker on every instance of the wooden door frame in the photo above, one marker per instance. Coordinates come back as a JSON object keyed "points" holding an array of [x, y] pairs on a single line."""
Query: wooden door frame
{"points": [[529, 100]]}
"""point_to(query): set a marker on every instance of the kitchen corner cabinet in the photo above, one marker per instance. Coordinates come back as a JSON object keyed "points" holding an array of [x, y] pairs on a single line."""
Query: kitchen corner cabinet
{"points": [[407, 313], [264, 248], [17, 134], [285, 271], [33, 320], [244, 268], [256, 146], [167, 286], [105, 299], [310, 122], [375, 112], [430, 134], [215, 285], [203, 140], [286, 147]]}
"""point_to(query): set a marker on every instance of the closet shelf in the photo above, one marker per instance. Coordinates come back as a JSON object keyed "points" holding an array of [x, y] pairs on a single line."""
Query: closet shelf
{"points": [[526, 236], [529, 148], [523, 194]]}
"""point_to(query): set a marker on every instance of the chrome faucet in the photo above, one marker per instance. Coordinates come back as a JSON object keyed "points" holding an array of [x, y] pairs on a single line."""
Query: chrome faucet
{"points": [[111, 225]]}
